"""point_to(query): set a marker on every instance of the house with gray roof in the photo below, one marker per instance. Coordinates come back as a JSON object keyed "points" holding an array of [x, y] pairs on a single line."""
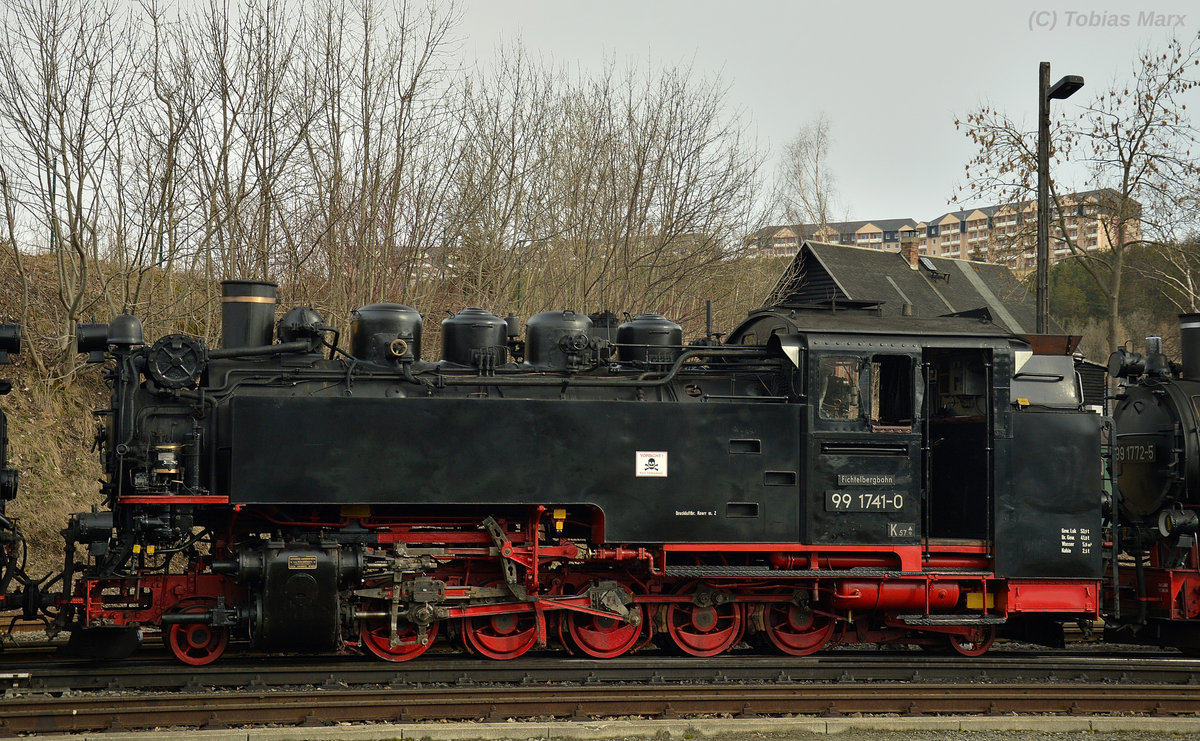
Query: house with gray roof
{"points": [[905, 283]]}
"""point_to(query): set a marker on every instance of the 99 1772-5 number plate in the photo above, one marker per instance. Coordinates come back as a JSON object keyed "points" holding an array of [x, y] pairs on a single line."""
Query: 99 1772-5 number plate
{"points": [[1136, 452]]}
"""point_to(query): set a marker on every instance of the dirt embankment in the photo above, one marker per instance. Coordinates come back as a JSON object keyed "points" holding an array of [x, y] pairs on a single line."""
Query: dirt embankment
{"points": [[50, 422], [50, 439]]}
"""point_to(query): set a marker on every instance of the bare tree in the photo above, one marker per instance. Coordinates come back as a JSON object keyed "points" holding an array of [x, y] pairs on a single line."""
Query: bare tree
{"points": [[68, 81], [806, 188], [1137, 142], [1178, 273], [377, 149], [615, 191], [332, 147], [13, 245], [497, 224]]}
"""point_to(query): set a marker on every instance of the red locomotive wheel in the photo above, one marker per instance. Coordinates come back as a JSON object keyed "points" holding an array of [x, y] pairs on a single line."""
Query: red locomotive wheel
{"points": [[194, 643], [975, 644], [377, 638], [501, 637], [602, 637], [705, 630], [796, 631]]}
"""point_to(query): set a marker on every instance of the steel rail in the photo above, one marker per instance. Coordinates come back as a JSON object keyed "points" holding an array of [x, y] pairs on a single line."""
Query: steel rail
{"points": [[149, 672], [208, 710]]}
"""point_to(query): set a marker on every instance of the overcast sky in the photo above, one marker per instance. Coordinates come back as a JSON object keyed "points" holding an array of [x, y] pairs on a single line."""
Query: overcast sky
{"points": [[890, 77]]}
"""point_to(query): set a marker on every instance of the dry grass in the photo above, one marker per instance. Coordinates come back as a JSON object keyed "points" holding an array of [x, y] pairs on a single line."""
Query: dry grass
{"points": [[50, 425], [50, 438]]}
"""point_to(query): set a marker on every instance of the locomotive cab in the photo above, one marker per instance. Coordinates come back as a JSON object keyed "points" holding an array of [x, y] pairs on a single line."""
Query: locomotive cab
{"points": [[912, 433]]}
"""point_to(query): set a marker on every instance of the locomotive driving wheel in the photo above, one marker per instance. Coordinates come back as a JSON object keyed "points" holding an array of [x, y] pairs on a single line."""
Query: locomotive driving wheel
{"points": [[602, 636], [376, 637], [796, 629], [975, 643], [705, 626], [502, 636], [196, 644]]}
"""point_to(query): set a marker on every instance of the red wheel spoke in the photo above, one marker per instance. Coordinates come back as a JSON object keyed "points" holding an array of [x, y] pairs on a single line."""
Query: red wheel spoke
{"points": [[501, 637], [796, 631], [976, 644], [704, 630], [196, 644], [603, 637], [377, 638]]}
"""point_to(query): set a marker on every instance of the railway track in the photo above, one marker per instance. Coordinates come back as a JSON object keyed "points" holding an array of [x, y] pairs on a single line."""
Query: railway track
{"points": [[43, 714], [27, 673], [150, 692]]}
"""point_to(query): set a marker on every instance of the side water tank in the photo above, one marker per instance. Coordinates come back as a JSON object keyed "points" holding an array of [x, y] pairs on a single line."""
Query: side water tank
{"points": [[553, 338], [382, 333], [649, 338], [471, 333]]}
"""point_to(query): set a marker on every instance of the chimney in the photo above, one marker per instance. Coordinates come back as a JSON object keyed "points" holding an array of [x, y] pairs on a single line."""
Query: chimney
{"points": [[247, 313], [908, 248]]}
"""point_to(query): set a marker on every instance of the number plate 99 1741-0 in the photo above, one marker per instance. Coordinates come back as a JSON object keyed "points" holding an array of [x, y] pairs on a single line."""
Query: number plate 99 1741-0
{"points": [[864, 501]]}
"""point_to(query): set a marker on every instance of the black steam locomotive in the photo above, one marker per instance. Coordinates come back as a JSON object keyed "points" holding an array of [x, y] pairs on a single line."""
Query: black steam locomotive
{"points": [[824, 475], [1156, 457]]}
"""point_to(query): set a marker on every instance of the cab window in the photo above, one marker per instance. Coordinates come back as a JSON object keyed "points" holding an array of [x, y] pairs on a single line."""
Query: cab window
{"points": [[892, 391], [839, 388]]}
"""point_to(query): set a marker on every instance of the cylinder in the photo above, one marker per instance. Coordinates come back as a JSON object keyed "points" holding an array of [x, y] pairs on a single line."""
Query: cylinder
{"points": [[1189, 335], [247, 313]]}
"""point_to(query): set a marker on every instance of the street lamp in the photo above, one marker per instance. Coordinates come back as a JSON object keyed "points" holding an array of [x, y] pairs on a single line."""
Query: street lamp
{"points": [[1061, 90]]}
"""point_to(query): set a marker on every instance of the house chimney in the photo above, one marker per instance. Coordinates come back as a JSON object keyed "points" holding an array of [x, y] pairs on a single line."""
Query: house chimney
{"points": [[908, 248]]}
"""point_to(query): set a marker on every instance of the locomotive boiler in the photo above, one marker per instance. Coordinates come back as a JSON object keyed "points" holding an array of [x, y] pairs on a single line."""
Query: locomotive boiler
{"points": [[824, 475]]}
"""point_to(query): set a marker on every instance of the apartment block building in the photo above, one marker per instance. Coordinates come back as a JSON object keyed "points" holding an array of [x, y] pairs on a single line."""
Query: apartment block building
{"points": [[1004, 234]]}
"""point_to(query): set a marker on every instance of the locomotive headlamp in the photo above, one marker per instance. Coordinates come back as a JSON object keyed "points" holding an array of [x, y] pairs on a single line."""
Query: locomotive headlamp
{"points": [[10, 341], [93, 340], [1126, 364], [1177, 522]]}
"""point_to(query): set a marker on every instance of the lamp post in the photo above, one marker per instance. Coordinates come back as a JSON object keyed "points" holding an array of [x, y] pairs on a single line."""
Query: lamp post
{"points": [[1061, 90]]}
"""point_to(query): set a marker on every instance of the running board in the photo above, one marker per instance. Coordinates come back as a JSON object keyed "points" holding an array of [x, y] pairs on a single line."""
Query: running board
{"points": [[703, 572], [933, 620]]}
